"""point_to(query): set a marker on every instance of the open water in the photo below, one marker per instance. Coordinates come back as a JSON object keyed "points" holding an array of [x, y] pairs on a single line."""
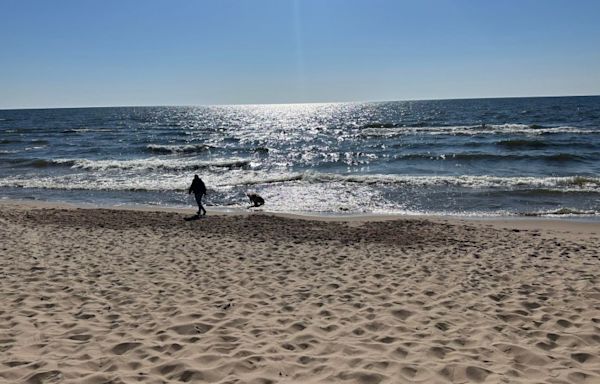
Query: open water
{"points": [[484, 157]]}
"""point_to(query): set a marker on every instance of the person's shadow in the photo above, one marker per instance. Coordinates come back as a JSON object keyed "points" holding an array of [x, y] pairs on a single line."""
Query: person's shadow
{"points": [[192, 218]]}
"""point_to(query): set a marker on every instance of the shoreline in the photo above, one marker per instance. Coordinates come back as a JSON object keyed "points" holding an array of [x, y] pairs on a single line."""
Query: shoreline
{"points": [[569, 225]]}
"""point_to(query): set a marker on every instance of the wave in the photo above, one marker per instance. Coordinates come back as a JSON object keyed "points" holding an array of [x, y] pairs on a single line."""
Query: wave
{"points": [[86, 130], [39, 142], [385, 130], [572, 183], [9, 141], [171, 149], [380, 125], [269, 180], [490, 156], [24, 130], [384, 124], [35, 163], [53, 131], [172, 133], [241, 177], [517, 144], [563, 212], [562, 184], [154, 164], [138, 164]]}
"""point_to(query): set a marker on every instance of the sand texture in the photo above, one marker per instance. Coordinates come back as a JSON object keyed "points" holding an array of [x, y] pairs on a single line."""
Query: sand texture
{"points": [[113, 296]]}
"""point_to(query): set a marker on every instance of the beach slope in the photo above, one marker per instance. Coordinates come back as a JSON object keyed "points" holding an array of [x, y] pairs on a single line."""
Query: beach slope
{"points": [[119, 296]]}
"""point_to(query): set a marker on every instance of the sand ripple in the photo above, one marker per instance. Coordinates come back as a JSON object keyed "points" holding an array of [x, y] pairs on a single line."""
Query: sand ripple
{"points": [[107, 296]]}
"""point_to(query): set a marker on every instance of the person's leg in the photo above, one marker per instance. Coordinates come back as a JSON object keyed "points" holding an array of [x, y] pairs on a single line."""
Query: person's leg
{"points": [[202, 207], [199, 202]]}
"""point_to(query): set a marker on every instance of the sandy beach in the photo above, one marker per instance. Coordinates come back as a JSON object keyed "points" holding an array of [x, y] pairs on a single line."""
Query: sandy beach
{"points": [[127, 296]]}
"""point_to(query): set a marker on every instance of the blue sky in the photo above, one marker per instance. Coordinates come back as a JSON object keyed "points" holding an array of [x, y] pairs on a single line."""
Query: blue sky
{"points": [[100, 53]]}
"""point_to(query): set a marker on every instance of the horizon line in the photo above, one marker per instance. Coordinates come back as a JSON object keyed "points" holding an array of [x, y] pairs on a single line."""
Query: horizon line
{"points": [[292, 103]]}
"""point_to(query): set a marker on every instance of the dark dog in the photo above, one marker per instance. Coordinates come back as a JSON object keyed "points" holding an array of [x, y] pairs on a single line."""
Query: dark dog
{"points": [[255, 199]]}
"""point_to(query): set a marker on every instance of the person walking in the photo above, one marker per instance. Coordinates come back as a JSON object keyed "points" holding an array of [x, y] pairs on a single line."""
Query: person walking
{"points": [[199, 190]]}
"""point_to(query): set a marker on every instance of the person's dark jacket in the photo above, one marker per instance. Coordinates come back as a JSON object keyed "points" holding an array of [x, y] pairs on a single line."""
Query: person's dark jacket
{"points": [[198, 187]]}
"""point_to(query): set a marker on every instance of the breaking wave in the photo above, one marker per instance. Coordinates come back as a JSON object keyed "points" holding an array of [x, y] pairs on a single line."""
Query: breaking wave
{"points": [[390, 130], [568, 183], [560, 184], [172, 149], [137, 164], [157, 164], [491, 156], [563, 212]]}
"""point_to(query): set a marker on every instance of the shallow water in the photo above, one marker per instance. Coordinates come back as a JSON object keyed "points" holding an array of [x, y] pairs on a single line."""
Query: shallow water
{"points": [[523, 156]]}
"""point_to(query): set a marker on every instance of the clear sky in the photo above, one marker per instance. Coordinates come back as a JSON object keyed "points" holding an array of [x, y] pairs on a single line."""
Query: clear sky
{"points": [[172, 52]]}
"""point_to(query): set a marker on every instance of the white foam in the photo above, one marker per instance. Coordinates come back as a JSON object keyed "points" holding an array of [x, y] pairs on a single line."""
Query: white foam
{"points": [[129, 179], [471, 130], [566, 183], [153, 164], [184, 148]]}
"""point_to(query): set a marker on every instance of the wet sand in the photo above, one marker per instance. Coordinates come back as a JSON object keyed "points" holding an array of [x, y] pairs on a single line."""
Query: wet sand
{"points": [[127, 296]]}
